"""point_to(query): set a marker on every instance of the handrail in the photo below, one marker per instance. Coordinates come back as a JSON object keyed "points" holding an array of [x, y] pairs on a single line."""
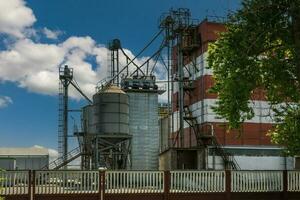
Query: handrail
{"points": [[63, 160]]}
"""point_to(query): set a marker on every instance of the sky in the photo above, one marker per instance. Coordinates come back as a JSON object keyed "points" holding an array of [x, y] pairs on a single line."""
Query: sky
{"points": [[38, 36]]}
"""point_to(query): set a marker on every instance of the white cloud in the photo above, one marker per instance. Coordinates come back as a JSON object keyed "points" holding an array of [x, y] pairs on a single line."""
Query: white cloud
{"points": [[50, 34], [5, 101], [53, 154], [15, 17], [34, 65]]}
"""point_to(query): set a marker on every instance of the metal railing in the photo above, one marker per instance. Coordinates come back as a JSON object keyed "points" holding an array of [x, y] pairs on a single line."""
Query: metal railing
{"points": [[134, 181], [66, 182], [256, 181], [14, 182], [124, 182], [293, 181], [64, 160], [197, 181]]}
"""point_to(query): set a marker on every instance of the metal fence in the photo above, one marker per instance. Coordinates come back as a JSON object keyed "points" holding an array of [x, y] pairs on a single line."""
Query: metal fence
{"points": [[134, 181], [142, 182], [14, 182], [197, 181], [256, 181], [66, 182], [293, 181]]}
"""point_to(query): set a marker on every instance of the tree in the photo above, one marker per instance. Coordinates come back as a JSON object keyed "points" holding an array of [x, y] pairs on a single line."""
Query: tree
{"points": [[261, 49], [1, 179]]}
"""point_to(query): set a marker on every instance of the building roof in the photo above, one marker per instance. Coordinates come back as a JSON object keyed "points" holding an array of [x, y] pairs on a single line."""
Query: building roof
{"points": [[31, 151]]}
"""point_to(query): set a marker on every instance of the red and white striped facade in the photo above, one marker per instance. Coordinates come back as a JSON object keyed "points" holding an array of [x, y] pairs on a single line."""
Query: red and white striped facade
{"points": [[200, 101]]}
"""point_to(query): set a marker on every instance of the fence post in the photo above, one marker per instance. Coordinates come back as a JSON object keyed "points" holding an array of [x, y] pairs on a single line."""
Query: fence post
{"points": [[29, 184], [167, 183], [285, 185], [228, 184], [32, 184], [101, 184]]}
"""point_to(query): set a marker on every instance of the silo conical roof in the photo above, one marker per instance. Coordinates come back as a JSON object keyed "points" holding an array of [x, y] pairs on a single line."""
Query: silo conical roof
{"points": [[113, 89]]}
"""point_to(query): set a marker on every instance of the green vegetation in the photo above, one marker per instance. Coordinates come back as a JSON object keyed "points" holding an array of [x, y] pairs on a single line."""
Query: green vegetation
{"points": [[261, 49], [1, 179]]}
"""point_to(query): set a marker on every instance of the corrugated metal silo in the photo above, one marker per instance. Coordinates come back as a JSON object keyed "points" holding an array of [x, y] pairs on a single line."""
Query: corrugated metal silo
{"points": [[143, 121], [144, 129], [111, 111], [106, 129]]}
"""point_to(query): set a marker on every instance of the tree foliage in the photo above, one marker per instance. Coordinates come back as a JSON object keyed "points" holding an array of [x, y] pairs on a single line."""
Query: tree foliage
{"points": [[1, 179], [261, 49]]}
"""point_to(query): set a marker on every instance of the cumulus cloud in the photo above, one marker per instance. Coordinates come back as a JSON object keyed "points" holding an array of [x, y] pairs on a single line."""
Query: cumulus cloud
{"points": [[15, 17], [5, 101], [34, 65], [53, 154], [50, 34]]}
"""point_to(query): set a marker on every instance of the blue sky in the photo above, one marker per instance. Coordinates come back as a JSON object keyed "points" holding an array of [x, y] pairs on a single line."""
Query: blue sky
{"points": [[42, 35]]}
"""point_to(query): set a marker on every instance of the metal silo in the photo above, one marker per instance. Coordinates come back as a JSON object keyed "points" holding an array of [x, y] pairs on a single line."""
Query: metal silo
{"points": [[111, 111], [143, 120], [106, 130]]}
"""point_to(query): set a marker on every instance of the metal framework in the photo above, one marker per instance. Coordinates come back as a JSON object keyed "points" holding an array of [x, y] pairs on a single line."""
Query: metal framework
{"points": [[113, 63], [65, 79], [182, 41]]}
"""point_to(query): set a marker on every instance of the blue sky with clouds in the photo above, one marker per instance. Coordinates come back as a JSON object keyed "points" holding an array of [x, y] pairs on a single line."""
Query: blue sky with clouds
{"points": [[37, 36]]}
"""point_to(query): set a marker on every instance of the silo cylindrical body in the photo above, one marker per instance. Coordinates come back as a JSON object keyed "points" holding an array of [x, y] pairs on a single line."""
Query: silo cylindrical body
{"points": [[111, 111]]}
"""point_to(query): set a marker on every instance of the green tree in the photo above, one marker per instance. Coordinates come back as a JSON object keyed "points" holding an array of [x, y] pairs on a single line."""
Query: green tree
{"points": [[1, 179], [261, 49]]}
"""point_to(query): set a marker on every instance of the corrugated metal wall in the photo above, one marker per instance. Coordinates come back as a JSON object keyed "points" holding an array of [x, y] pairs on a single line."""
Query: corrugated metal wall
{"points": [[144, 128]]}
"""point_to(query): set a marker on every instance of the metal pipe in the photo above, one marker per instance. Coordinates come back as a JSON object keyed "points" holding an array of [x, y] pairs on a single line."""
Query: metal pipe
{"points": [[79, 90], [181, 92]]}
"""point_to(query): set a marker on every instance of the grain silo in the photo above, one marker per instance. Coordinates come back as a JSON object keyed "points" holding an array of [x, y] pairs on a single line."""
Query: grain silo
{"points": [[143, 121], [106, 127]]}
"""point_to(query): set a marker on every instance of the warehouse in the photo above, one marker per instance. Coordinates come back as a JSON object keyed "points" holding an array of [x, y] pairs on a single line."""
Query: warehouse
{"points": [[23, 158]]}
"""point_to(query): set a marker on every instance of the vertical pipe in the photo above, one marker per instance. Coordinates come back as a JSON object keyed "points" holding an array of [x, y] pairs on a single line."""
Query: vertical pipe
{"points": [[117, 63], [172, 91], [112, 57], [181, 92], [168, 75]]}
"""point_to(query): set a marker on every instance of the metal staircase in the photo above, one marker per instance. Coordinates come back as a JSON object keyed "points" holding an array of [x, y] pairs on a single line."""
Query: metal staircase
{"points": [[192, 121], [63, 161], [228, 159], [209, 139]]}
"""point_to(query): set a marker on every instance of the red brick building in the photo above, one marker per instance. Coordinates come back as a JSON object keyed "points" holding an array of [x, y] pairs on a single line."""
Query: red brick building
{"points": [[250, 146]]}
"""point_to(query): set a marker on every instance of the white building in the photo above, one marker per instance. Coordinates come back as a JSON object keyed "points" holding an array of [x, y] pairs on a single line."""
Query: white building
{"points": [[32, 158]]}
